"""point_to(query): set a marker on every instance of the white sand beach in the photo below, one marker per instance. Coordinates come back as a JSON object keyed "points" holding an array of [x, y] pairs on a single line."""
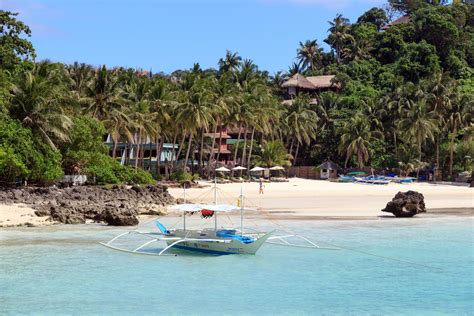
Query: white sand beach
{"points": [[19, 214], [301, 198]]}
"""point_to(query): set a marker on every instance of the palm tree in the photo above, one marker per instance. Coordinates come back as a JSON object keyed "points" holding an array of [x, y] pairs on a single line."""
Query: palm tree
{"points": [[301, 123], [356, 137], [118, 125], [273, 153], [358, 50], [37, 102], [195, 111], [103, 93], [439, 92], [294, 69], [460, 115], [230, 62], [161, 105], [309, 55], [80, 75], [419, 124], [339, 35], [247, 71]]}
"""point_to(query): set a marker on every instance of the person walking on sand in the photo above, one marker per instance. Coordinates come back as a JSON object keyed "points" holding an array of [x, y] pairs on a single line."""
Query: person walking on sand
{"points": [[261, 186]]}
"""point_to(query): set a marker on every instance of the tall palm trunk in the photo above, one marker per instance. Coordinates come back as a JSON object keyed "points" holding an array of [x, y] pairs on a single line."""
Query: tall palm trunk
{"points": [[237, 146], [173, 156], [395, 143], [242, 161], [181, 145], [190, 143], [251, 147], [291, 146], [137, 153], [419, 160], [211, 152], [437, 159], [201, 151], [114, 149], [451, 148], [150, 153], [159, 147], [296, 153], [127, 153], [345, 162], [220, 145]]}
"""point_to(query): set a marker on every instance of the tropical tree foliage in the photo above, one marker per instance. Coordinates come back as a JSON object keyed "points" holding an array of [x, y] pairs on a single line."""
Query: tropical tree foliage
{"points": [[404, 101]]}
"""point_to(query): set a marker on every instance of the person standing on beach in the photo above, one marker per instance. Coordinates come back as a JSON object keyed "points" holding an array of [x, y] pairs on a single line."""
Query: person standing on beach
{"points": [[261, 187]]}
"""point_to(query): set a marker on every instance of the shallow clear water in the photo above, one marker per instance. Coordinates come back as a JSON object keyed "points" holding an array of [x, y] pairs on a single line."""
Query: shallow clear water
{"points": [[63, 270]]}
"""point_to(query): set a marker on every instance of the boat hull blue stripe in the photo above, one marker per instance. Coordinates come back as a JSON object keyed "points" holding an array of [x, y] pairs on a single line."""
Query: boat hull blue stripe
{"points": [[215, 252]]}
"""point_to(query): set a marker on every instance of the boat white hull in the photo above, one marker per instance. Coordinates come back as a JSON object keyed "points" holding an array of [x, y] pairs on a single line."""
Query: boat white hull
{"points": [[216, 245]]}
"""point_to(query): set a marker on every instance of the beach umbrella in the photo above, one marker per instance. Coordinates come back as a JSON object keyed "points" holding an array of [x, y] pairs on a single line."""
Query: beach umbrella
{"points": [[277, 168], [255, 169], [239, 168], [222, 169]]}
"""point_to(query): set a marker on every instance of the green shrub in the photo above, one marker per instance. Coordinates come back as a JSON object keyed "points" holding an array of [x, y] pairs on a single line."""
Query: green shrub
{"points": [[11, 165], [47, 165], [26, 157], [137, 176], [103, 169], [183, 176]]}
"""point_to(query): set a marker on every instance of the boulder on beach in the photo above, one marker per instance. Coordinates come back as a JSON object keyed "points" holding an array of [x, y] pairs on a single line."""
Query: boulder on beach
{"points": [[406, 204]]}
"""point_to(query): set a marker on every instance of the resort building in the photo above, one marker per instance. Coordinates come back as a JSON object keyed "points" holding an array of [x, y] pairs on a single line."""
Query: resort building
{"points": [[128, 152], [226, 139], [313, 85], [221, 150]]}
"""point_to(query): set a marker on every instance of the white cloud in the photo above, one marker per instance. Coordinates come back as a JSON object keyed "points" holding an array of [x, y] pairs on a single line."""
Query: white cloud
{"points": [[34, 14]]}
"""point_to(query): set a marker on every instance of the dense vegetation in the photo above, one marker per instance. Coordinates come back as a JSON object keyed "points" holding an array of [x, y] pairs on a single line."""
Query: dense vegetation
{"points": [[406, 102]]}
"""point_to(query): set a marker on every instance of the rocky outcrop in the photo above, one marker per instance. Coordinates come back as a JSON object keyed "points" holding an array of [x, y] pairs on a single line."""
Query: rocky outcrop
{"points": [[118, 205], [406, 204]]}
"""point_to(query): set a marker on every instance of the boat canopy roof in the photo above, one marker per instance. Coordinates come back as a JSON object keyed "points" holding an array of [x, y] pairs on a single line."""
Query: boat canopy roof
{"points": [[210, 207]]}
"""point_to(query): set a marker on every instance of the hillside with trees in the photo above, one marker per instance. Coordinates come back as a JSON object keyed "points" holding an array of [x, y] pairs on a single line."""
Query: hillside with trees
{"points": [[405, 103]]}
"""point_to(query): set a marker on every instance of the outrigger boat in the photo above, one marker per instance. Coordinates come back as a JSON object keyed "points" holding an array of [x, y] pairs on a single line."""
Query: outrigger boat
{"points": [[215, 240]]}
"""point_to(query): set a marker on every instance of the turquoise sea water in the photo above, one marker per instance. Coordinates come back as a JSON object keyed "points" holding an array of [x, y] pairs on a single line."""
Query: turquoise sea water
{"points": [[62, 270]]}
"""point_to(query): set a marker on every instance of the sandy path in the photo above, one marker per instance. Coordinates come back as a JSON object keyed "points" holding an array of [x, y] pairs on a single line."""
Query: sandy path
{"points": [[301, 197]]}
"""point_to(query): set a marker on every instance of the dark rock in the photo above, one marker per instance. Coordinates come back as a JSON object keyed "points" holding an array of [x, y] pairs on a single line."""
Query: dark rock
{"points": [[74, 205], [115, 217], [67, 216], [43, 212], [406, 204]]}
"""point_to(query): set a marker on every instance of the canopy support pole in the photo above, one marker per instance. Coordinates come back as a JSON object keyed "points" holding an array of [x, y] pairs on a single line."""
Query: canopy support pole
{"points": [[215, 200], [241, 210], [184, 213]]}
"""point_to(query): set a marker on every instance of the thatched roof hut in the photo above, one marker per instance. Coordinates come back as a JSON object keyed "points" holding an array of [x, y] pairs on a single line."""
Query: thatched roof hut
{"points": [[298, 81], [401, 20], [323, 82]]}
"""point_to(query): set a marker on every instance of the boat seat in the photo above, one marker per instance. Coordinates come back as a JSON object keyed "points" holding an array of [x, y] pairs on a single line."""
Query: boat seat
{"points": [[232, 233], [162, 228]]}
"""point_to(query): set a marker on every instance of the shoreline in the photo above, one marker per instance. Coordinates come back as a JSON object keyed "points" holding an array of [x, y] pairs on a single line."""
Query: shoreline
{"points": [[298, 199]]}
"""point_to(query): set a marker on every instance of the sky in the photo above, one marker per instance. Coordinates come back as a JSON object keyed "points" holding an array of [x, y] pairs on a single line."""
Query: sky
{"points": [[165, 35]]}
